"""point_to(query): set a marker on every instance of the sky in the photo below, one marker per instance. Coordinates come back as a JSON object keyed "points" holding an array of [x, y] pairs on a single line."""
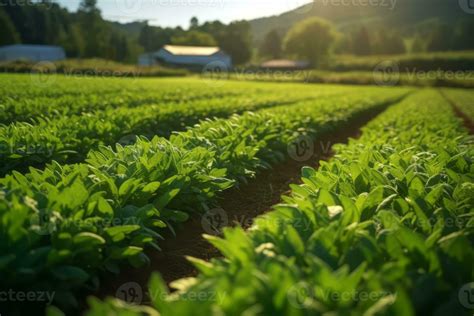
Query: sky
{"points": [[179, 12]]}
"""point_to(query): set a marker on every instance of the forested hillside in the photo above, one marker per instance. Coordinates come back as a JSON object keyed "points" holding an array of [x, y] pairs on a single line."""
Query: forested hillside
{"points": [[427, 25]]}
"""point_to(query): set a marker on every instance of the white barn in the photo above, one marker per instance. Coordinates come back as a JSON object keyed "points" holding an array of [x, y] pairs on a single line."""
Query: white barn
{"points": [[31, 53], [194, 57]]}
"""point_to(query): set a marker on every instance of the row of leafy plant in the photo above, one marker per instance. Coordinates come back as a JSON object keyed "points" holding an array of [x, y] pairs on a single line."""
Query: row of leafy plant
{"points": [[23, 107], [70, 138], [385, 227], [62, 226], [24, 98]]}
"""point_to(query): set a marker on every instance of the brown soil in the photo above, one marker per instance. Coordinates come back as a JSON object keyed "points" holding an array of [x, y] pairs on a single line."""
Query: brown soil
{"points": [[468, 123], [241, 205]]}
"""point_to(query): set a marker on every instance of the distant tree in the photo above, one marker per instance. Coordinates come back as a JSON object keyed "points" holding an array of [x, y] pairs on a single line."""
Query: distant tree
{"points": [[235, 39], [9, 34], [361, 42], [388, 42], [81, 34], [310, 39], [194, 38], [271, 45], [145, 38], [89, 6], [94, 30], [343, 44], [215, 28], [418, 45], [463, 35], [440, 39], [194, 23]]}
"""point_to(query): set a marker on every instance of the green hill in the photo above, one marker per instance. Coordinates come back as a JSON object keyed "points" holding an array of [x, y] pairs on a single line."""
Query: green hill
{"points": [[400, 14]]}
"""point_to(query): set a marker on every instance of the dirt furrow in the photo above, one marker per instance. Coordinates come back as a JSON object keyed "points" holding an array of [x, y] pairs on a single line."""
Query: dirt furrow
{"points": [[468, 123]]}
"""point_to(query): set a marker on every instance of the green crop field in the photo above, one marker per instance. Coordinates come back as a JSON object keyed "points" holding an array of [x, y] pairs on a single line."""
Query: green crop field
{"points": [[102, 180]]}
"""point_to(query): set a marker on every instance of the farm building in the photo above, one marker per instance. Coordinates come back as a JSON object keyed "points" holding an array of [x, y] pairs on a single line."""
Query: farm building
{"points": [[285, 64], [191, 57], [31, 52]]}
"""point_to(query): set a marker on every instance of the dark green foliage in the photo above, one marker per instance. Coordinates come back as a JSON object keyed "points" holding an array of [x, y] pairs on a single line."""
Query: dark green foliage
{"points": [[385, 227], [84, 218]]}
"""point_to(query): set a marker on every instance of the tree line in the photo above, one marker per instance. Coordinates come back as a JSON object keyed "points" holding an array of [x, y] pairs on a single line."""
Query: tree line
{"points": [[314, 39], [85, 34]]}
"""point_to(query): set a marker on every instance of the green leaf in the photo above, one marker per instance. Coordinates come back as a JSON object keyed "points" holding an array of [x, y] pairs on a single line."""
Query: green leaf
{"points": [[121, 230], [151, 187], [88, 239], [126, 252], [70, 273], [126, 187], [166, 198], [104, 207], [295, 240]]}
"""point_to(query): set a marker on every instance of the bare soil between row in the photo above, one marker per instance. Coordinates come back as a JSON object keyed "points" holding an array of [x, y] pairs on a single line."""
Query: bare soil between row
{"points": [[468, 123]]}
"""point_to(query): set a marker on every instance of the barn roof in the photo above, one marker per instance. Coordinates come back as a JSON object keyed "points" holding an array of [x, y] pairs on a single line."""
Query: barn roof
{"points": [[43, 48], [284, 63], [191, 50]]}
